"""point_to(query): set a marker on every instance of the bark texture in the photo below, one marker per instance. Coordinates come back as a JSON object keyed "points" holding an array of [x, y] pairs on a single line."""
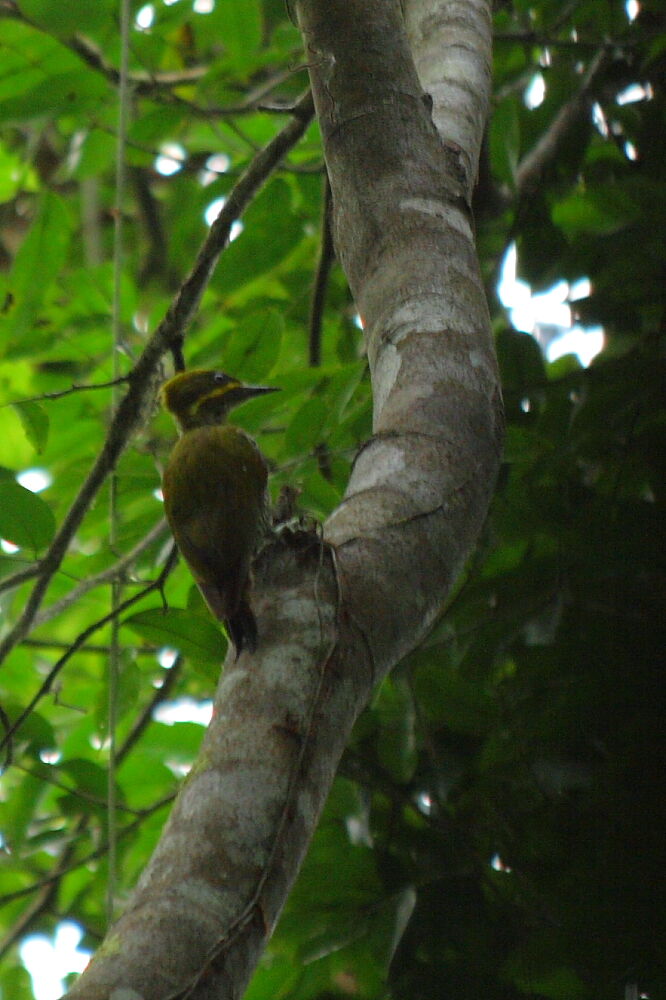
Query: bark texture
{"points": [[231, 849], [333, 618], [450, 43], [403, 230]]}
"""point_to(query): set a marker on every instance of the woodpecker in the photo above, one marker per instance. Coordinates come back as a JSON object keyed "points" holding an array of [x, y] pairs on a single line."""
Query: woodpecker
{"points": [[215, 494]]}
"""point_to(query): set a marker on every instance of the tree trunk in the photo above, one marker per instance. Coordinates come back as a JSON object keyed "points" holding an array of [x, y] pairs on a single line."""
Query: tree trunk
{"points": [[334, 617]]}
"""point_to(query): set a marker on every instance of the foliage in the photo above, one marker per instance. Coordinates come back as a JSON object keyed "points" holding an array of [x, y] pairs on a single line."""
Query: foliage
{"points": [[496, 829]]}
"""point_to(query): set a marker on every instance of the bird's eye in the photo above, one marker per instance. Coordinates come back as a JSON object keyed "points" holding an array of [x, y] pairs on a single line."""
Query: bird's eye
{"points": [[219, 377]]}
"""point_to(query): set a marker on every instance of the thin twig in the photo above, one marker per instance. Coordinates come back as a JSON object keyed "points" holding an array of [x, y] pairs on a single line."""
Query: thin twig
{"points": [[49, 680], [142, 82], [113, 661], [90, 647], [160, 85], [47, 887], [99, 852], [49, 775], [16, 579], [46, 894], [105, 576], [68, 392], [160, 695], [533, 38]]}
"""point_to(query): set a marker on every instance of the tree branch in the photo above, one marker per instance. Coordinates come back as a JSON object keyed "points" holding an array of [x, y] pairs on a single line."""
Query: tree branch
{"points": [[452, 57], [534, 164]]}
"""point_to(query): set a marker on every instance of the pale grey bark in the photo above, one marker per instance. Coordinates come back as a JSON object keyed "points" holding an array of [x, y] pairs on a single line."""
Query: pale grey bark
{"points": [[450, 41], [401, 190], [332, 625]]}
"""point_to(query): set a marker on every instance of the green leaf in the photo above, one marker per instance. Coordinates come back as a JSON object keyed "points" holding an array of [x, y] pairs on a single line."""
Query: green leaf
{"points": [[238, 27], [319, 494], [36, 732], [271, 230], [396, 746], [96, 154], [35, 421], [128, 691], [25, 519], [15, 175], [520, 359], [523, 445], [253, 349], [277, 978], [195, 637], [599, 212], [450, 698], [482, 752], [532, 972], [341, 389], [74, 92], [505, 139], [15, 982], [38, 261], [304, 431], [69, 18], [87, 776], [27, 794]]}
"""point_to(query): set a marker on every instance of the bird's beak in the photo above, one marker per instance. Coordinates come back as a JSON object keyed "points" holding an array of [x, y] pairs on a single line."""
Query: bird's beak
{"points": [[241, 393], [250, 391]]}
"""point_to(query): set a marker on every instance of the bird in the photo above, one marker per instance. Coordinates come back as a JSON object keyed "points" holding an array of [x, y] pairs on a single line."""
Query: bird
{"points": [[216, 495]]}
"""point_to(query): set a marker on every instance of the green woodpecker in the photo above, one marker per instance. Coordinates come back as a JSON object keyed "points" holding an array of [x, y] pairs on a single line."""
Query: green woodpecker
{"points": [[215, 494]]}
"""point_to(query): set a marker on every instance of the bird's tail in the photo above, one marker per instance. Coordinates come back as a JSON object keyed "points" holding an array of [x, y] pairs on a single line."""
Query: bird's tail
{"points": [[242, 628], [241, 625]]}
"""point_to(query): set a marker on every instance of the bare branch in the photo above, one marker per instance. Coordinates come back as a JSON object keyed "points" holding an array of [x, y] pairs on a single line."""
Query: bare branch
{"points": [[49, 775], [117, 570], [140, 82], [160, 85], [534, 38], [536, 162], [67, 392], [29, 573]]}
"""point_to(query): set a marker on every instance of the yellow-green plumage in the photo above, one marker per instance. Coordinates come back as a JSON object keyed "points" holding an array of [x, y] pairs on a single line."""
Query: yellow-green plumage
{"points": [[215, 494]]}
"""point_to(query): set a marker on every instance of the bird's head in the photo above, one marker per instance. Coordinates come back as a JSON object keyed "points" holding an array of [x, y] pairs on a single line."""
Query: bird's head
{"points": [[200, 397]]}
